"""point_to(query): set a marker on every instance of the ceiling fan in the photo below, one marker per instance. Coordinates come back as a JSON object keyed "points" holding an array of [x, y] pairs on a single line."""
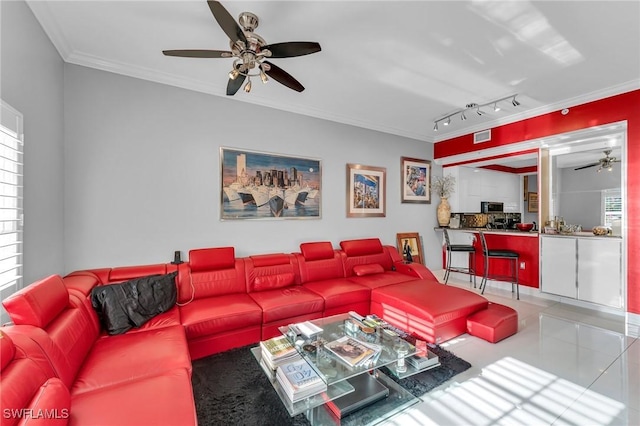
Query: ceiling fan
{"points": [[604, 163], [250, 51]]}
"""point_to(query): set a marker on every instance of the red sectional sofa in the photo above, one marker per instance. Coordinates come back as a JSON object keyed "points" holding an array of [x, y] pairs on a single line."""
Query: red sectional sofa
{"points": [[222, 302]]}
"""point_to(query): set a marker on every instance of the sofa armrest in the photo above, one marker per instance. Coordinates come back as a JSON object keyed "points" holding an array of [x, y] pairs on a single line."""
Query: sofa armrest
{"points": [[415, 270]]}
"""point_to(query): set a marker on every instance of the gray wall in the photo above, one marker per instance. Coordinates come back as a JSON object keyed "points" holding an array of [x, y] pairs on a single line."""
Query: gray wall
{"points": [[580, 194], [142, 173], [31, 80]]}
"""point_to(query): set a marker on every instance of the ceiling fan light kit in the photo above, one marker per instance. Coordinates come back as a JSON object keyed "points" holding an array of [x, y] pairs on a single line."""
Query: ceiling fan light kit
{"points": [[446, 120], [605, 163], [250, 50]]}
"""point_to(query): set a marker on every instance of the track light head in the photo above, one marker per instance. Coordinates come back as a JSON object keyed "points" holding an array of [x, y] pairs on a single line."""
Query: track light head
{"points": [[435, 126], [496, 108], [515, 102], [446, 123], [479, 112], [462, 116]]}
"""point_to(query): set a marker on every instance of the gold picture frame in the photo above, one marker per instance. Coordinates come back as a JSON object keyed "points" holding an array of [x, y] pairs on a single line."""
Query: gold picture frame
{"points": [[415, 180], [366, 191], [532, 206], [411, 241]]}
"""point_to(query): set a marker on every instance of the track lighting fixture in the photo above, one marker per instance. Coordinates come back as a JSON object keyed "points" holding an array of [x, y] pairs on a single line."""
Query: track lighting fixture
{"points": [[446, 120]]}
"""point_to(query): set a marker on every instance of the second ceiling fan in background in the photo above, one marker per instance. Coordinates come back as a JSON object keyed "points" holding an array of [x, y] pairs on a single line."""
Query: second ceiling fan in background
{"points": [[250, 51]]}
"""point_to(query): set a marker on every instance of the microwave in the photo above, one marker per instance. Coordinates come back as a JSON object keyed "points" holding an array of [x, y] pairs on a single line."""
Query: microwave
{"points": [[491, 207]]}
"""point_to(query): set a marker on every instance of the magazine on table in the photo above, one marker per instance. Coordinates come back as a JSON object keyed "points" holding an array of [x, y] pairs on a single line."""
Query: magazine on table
{"points": [[353, 351], [299, 380]]}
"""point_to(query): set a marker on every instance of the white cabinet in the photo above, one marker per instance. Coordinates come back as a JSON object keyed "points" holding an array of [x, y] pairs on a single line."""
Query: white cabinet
{"points": [[582, 268], [599, 271], [558, 266], [474, 185]]}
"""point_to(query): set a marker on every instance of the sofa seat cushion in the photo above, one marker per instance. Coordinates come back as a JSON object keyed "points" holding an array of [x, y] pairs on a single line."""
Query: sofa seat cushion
{"points": [[117, 359], [434, 301], [379, 280], [287, 302], [220, 314], [165, 319], [164, 399], [339, 292], [433, 311]]}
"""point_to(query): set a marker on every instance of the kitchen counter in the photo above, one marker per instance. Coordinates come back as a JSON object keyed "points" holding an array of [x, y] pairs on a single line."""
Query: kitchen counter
{"points": [[509, 232]]}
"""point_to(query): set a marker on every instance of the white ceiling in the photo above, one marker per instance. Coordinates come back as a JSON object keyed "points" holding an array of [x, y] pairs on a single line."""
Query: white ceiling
{"points": [[391, 66]]}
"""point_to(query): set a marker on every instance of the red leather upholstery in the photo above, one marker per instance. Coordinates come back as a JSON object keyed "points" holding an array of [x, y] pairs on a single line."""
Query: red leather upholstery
{"points": [[362, 247], [82, 282], [370, 255], [493, 324], [165, 399], [322, 271], [24, 306], [434, 311], [26, 386], [214, 302], [279, 304], [125, 273]]}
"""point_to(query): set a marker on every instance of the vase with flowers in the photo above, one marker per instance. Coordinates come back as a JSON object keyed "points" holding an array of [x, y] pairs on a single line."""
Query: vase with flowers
{"points": [[443, 186]]}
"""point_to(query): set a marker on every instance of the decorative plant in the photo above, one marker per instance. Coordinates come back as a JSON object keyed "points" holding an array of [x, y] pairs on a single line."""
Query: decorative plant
{"points": [[443, 186]]}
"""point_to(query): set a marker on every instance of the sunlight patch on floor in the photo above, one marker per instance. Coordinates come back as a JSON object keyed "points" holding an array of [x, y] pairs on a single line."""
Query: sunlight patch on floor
{"points": [[509, 392]]}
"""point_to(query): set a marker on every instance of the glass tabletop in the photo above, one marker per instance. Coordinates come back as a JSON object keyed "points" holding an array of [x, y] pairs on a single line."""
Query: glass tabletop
{"points": [[344, 349]]}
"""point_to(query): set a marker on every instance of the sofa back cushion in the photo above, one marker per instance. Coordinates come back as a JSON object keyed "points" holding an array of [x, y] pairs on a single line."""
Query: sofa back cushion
{"points": [[65, 331], [319, 261], [270, 271], [27, 388], [125, 273], [210, 272], [369, 251], [39, 303]]}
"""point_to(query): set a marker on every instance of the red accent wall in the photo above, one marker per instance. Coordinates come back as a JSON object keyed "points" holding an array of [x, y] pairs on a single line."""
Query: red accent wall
{"points": [[621, 107]]}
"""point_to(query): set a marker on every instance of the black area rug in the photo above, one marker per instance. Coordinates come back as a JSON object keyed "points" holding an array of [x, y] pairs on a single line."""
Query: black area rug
{"points": [[231, 389]]}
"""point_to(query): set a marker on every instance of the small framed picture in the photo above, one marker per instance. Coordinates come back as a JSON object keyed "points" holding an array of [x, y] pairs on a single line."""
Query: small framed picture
{"points": [[532, 206], [415, 180], [410, 247], [366, 191]]}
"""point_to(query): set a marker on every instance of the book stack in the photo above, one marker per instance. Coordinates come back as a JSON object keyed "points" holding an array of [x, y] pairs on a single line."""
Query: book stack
{"points": [[353, 352], [299, 380], [277, 351]]}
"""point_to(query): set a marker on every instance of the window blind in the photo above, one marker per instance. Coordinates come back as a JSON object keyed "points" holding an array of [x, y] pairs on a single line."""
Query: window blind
{"points": [[11, 213]]}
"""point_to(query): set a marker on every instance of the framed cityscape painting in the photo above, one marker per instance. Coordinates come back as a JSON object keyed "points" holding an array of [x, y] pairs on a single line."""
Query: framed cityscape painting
{"points": [[366, 191], [415, 180], [260, 185]]}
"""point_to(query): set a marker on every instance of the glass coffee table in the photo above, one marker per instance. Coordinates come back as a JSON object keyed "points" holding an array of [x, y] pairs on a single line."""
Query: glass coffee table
{"points": [[361, 391]]}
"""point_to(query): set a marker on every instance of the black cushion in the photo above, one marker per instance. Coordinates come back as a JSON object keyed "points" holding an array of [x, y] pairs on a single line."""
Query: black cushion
{"points": [[132, 303], [461, 247], [503, 253]]}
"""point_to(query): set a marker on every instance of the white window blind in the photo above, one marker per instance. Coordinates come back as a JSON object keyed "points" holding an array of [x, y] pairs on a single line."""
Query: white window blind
{"points": [[11, 214], [612, 201]]}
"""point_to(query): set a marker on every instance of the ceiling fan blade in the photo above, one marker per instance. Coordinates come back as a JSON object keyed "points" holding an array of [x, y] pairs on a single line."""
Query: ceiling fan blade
{"points": [[234, 85], [587, 166], [292, 48], [226, 22], [196, 53], [282, 77]]}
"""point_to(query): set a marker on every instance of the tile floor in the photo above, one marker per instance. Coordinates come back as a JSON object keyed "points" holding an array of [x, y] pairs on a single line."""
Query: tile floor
{"points": [[566, 366]]}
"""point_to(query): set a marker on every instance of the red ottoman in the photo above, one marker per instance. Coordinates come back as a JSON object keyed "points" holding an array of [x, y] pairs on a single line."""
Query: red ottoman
{"points": [[493, 324]]}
